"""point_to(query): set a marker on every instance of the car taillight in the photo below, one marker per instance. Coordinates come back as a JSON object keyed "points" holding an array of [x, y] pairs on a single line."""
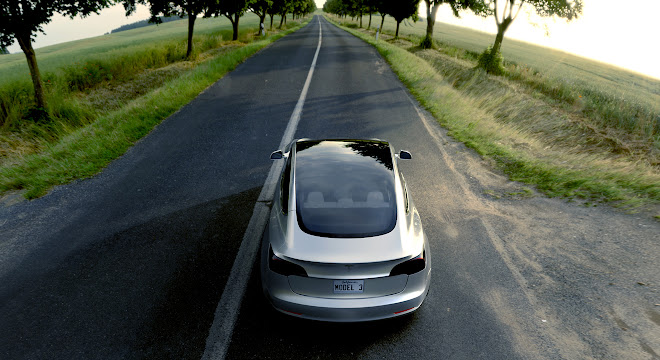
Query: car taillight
{"points": [[410, 267], [283, 267]]}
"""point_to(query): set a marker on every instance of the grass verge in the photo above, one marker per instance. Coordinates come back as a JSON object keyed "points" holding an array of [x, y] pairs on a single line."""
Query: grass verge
{"points": [[84, 151], [482, 116], [85, 79]]}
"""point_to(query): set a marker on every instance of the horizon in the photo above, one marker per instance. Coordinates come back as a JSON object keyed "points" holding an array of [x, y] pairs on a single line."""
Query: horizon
{"points": [[632, 53]]}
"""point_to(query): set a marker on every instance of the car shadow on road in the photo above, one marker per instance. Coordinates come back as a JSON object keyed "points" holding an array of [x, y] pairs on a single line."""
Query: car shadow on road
{"points": [[264, 333]]}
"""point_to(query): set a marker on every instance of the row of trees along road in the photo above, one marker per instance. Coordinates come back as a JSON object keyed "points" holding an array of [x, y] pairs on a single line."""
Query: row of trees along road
{"points": [[504, 12], [398, 9], [21, 20]]}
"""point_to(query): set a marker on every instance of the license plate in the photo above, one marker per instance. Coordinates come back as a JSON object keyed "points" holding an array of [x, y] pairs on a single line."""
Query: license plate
{"points": [[348, 286]]}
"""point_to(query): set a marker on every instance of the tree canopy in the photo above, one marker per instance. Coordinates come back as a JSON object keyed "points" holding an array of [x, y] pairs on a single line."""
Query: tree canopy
{"points": [[506, 11], [432, 6], [303, 7], [297, 7], [281, 8], [260, 8], [401, 10], [22, 20], [398, 9]]}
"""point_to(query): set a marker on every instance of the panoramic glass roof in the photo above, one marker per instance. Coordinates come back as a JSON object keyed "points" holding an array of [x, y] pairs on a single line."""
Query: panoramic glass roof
{"points": [[345, 188]]}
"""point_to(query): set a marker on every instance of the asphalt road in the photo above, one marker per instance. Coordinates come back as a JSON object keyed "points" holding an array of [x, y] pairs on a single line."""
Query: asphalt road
{"points": [[354, 94], [132, 263]]}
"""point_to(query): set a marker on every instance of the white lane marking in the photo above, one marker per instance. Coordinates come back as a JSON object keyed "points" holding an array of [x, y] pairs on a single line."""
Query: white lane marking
{"points": [[217, 343], [295, 117]]}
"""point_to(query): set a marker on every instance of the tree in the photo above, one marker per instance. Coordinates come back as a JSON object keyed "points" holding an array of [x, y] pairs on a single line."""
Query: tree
{"points": [[22, 20], [310, 7], [281, 8], [274, 10], [370, 8], [332, 6], [3, 50], [401, 10], [261, 8], [432, 6], [297, 7], [381, 6], [180, 8], [505, 11], [357, 8], [353, 8], [232, 10], [303, 7]]}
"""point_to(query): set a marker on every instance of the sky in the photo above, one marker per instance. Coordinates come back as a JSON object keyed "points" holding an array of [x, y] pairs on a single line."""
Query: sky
{"points": [[626, 36]]}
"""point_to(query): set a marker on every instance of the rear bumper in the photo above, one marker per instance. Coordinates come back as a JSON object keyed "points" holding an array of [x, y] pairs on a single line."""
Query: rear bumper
{"points": [[282, 298]]}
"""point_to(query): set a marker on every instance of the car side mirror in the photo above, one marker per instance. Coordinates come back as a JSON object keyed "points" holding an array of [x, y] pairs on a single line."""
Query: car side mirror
{"points": [[405, 155], [276, 155]]}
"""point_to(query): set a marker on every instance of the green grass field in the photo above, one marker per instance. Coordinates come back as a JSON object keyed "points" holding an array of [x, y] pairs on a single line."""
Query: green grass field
{"points": [[84, 64], [55, 57], [554, 64], [609, 98]]}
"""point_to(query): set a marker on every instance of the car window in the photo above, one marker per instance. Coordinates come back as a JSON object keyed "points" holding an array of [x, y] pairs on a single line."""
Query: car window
{"points": [[345, 188]]}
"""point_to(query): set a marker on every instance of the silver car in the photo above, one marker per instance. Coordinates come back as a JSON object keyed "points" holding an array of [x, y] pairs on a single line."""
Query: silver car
{"points": [[344, 240]]}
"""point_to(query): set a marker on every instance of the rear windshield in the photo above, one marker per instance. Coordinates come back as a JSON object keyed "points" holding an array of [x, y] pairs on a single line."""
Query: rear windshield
{"points": [[345, 188]]}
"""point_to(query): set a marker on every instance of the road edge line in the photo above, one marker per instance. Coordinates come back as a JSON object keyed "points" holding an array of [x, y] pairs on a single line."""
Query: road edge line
{"points": [[226, 313]]}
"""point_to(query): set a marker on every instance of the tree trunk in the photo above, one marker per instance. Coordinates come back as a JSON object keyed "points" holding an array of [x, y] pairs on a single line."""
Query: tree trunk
{"points": [[271, 21], [191, 26], [431, 12], [235, 25], [262, 21], [26, 45], [396, 35], [501, 29], [360, 20], [382, 22], [281, 20], [369, 26]]}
